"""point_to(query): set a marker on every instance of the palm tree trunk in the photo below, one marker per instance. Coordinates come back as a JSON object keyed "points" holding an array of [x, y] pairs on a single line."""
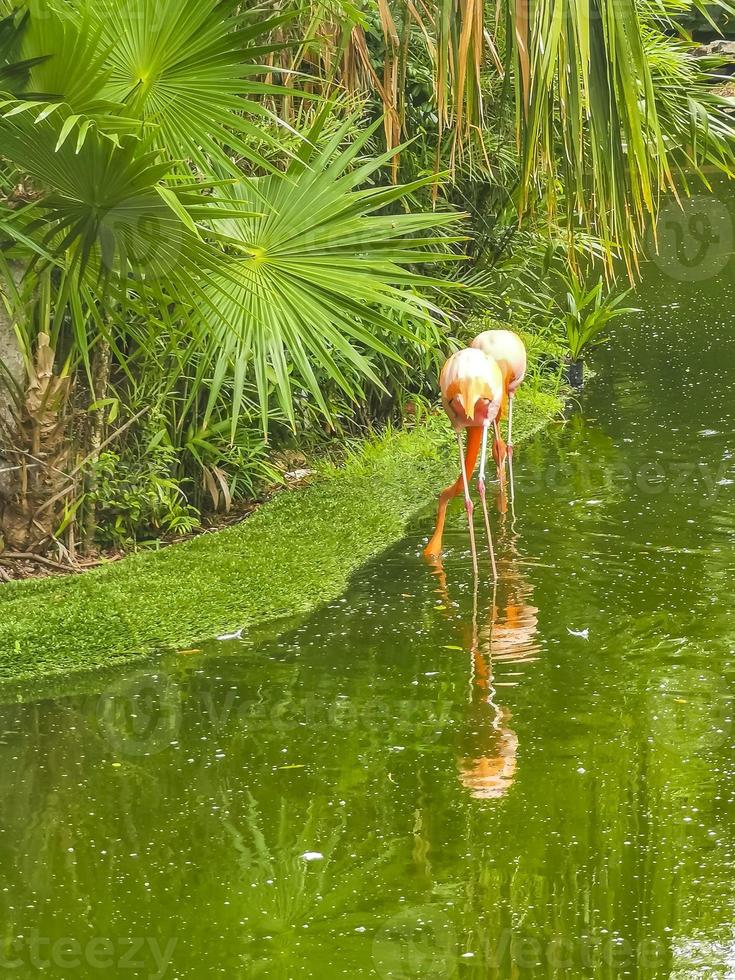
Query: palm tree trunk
{"points": [[12, 381], [101, 361]]}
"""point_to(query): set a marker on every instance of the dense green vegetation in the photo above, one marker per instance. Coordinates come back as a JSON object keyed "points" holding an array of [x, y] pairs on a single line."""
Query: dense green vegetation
{"points": [[231, 231], [291, 555]]}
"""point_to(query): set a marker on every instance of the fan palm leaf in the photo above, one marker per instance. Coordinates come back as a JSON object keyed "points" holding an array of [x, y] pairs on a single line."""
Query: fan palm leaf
{"points": [[14, 70], [187, 71], [319, 272], [193, 69], [108, 204], [297, 268]]}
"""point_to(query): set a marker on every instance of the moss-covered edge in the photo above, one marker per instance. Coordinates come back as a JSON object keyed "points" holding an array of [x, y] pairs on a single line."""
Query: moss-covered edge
{"points": [[293, 554]]}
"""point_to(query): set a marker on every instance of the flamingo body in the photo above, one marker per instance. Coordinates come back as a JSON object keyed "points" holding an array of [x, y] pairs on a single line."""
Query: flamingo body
{"points": [[508, 351], [472, 385], [472, 394]]}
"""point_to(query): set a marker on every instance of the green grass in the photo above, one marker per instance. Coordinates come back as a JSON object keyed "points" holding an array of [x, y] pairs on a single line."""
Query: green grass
{"points": [[293, 554]]}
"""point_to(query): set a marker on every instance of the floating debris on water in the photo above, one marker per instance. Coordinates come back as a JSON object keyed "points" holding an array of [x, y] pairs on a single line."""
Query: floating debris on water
{"points": [[582, 634], [231, 636]]}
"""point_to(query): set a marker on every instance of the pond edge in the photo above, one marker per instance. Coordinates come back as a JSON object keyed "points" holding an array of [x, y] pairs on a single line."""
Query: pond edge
{"points": [[292, 555]]}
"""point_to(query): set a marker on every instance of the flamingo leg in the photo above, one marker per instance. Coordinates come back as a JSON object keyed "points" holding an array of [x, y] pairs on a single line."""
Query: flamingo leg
{"points": [[481, 488], [468, 503], [434, 547], [499, 450], [510, 427]]}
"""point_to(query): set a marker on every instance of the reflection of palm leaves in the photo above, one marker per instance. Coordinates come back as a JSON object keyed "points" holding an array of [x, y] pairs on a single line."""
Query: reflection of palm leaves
{"points": [[314, 892]]}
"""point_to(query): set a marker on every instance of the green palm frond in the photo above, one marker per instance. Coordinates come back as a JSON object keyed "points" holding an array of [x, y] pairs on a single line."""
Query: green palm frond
{"points": [[73, 68], [115, 226], [302, 268], [101, 202], [14, 68], [187, 74], [66, 77], [191, 69], [319, 274]]}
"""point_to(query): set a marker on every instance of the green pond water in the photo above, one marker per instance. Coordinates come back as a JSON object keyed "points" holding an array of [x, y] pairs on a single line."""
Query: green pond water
{"points": [[426, 779]]}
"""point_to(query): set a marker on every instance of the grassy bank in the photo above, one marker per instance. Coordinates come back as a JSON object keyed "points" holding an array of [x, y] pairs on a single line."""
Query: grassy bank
{"points": [[294, 553]]}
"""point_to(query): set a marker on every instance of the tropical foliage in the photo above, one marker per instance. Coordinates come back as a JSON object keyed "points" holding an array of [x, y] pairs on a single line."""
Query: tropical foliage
{"points": [[583, 314], [227, 226]]}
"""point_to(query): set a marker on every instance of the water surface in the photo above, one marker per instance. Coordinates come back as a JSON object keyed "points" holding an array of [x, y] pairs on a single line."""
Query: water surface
{"points": [[428, 778]]}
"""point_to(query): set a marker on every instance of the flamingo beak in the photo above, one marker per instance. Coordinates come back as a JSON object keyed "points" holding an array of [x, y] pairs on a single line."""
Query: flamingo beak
{"points": [[471, 391]]}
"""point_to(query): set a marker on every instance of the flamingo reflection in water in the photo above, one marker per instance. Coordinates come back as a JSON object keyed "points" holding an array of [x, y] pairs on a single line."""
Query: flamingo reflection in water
{"points": [[505, 632]]}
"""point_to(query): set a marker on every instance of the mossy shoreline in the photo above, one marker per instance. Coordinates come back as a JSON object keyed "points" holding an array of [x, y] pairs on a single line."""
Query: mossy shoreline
{"points": [[295, 553]]}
